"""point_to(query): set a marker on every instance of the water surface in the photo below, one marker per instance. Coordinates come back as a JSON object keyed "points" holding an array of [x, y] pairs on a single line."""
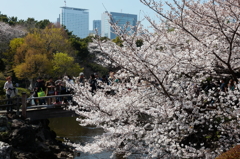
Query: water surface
{"points": [[68, 127]]}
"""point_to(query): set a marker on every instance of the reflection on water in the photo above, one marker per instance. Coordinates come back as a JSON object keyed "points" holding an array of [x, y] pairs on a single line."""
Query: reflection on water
{"points": [[69, 128]]}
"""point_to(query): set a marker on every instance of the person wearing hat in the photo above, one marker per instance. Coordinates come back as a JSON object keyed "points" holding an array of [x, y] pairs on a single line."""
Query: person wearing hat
{"points": [[81, 79]]}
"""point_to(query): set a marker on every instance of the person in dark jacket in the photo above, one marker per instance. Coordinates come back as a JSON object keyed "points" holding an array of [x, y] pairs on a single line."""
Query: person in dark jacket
{"points": [[39, 86], [93, 83]]}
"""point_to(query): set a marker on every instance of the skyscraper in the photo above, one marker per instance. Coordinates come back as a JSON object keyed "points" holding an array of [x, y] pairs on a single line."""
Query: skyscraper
{"points": [[120, 18], [97, 25], [75, 20]]}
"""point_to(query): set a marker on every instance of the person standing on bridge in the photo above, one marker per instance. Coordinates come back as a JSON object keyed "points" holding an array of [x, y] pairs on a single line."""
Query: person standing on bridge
{"points": [[93, 83], [59, 87], [39, 86], [8, 86], [81, 79], [50, 85]]}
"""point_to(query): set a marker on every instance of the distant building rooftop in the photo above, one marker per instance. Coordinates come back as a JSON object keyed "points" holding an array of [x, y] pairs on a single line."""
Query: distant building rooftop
{"points": [[71, 8], [121, 13]]}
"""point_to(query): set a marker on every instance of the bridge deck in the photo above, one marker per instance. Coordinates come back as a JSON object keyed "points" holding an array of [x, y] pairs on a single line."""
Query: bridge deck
{"points": [[36, 114]]}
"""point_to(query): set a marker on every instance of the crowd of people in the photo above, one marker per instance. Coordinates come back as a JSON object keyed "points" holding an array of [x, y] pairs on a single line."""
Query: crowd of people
{"points": [[50, 88], [231, 85], [58, 87], [95, 79], [225, 85]]}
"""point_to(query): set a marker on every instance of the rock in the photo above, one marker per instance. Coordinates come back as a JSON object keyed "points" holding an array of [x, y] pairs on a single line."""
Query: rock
{"points": [[27, 139], [45, 135], [24, 139], [17, 123], [23, 155], [5, 150], [65, 155], [4, 136], [4, 128], [12, 115], [3, 121]]}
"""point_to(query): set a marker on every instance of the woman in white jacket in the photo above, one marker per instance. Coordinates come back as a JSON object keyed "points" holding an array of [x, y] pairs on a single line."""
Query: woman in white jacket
{"points": [[8, 86]]}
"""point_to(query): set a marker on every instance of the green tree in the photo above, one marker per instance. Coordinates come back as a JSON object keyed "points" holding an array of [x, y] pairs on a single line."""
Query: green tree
{"points": [[3, 18], [47, 41], [37, 51], [9, 20], [35, 65], [139, 43], [8, 56], [30, 23], [83, 56], [81, 48], [63, 64], [2, 65], [104, 38], [12, 20], [98, 68], [118, 41], [42, 24]]}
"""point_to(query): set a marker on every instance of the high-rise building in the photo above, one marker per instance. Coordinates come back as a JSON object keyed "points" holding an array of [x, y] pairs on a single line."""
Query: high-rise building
{"points": [[121, 19], [105, 25], [97, 26], [75, 20]]}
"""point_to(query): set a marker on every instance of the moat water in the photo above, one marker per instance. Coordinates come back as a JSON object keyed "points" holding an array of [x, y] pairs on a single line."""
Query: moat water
{"points": [[68, 127]]}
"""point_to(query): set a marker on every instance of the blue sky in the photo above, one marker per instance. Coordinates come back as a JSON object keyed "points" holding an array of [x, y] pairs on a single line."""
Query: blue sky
{"points": [[50, 9]]}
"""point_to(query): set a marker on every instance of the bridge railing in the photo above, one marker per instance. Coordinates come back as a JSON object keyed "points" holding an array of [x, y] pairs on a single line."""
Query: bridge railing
{"points": [[12, 102], [25, 103]]}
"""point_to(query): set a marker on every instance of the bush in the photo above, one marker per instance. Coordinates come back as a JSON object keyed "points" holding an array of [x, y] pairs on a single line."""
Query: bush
{"points": [[2, 91], [21, 90], [4, 135], [233, 153], [98, 68]]}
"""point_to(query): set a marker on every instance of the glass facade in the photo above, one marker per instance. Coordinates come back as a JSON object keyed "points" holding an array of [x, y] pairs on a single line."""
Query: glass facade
{"points": [[97, 25], [121, 19], [105, 26], [75, 20]]}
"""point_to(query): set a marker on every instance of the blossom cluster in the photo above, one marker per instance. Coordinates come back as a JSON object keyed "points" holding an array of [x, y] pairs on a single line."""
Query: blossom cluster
{"points": [[159, 109]]}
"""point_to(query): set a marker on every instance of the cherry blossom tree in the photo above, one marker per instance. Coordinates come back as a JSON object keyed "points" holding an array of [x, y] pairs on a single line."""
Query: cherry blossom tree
{"points": [[159, 109]]}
